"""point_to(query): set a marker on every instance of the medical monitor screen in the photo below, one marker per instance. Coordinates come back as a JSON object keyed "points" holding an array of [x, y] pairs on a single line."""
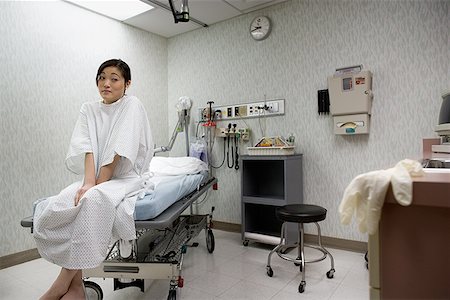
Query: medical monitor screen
{"points": [[444, 115]]}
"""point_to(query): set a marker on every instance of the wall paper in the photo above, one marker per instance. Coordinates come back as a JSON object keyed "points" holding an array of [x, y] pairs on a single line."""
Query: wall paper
{"points": [[405, 45], [50, 52]]}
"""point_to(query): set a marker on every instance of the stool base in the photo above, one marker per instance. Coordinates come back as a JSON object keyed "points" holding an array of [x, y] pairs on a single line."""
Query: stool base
{"points": [[300, 261]]}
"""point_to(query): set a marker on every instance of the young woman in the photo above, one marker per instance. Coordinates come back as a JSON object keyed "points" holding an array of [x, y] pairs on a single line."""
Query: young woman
{"points": [[112, 146]]}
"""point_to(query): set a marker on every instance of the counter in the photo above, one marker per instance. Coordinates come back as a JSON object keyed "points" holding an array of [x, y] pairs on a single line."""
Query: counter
{"points": [[412, 248]]}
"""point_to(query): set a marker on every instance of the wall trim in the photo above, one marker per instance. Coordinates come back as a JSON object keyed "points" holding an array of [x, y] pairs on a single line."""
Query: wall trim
{"points": [[349, 245], [18, 258]]}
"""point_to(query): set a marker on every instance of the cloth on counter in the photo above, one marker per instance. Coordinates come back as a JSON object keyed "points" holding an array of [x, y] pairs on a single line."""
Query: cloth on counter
{"points": [[77, 237], [365, 195]]}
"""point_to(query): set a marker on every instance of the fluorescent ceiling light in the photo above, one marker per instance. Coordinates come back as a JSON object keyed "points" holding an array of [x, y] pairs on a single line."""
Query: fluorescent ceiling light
{"points": [[116, 9]]}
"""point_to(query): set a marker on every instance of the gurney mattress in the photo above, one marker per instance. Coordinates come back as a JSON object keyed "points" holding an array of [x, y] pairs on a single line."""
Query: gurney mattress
{"points": [[168, 190]]}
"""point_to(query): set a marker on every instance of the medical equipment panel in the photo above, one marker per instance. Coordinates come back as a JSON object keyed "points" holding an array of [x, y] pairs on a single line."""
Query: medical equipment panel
{"points": [[262, 108], [350, 91]]}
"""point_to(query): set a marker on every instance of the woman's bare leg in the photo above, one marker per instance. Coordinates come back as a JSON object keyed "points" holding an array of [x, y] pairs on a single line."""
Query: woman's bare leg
{"points": [[76, 289], [61, 285]]}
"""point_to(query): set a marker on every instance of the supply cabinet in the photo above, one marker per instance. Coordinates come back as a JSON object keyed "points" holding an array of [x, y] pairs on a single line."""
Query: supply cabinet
{"points": [[268, 182]]}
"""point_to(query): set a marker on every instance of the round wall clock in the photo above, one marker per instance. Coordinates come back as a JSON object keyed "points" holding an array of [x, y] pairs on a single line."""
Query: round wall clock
{"points": [[260, 28]]}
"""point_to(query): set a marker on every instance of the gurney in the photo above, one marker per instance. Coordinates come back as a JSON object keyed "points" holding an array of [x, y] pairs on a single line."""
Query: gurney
{"points": [[158, 251], [162, 232]]}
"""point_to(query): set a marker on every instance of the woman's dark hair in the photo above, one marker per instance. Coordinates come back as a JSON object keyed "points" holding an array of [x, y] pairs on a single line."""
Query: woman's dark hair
{"points": [[119, 64]]}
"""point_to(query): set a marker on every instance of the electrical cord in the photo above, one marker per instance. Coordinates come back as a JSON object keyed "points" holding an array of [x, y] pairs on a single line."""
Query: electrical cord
{"points": [[236, 162], [259, 120], [203, 200], [223, 160]]}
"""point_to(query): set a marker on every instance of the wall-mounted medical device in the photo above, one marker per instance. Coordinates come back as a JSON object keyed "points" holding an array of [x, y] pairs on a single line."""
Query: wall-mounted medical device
{"points": [[350, 91]]}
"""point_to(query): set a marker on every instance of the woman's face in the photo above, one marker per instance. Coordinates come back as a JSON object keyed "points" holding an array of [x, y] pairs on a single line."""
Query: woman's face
{"points": [[111, 84]]}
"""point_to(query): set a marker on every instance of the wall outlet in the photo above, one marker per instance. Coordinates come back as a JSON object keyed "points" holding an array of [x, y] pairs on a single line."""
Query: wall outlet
{"points": [[229, 112]]}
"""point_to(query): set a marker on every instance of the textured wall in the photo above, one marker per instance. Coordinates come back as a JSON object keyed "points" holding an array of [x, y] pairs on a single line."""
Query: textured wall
{"points": [[50, 52], [404, 43]]}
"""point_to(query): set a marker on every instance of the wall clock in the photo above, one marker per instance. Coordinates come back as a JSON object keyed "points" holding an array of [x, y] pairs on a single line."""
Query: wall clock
{"points": [[260, 28]]}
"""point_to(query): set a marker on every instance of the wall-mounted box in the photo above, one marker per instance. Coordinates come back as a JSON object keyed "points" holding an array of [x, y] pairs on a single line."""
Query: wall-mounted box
{"points": [[351, 96]]}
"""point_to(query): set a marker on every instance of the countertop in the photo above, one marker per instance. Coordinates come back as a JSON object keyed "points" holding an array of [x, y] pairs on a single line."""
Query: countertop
{"points": [[432, 189]]}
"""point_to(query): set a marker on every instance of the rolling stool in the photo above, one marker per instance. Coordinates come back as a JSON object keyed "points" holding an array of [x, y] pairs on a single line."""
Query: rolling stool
{"points": [[300, 214]]}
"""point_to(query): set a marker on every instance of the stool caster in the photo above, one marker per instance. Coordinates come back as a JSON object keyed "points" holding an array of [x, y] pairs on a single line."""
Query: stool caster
{"points": [[330, 274], [301, 287], [269, 271]]}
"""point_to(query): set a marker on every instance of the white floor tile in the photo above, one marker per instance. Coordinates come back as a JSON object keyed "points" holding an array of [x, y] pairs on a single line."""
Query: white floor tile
{"points": [[351, 293], [214, 283], [187, 293], [249, 290], [315, 288]]}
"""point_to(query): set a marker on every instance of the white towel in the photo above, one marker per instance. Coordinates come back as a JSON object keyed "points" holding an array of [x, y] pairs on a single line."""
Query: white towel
{"points": [[366, 193]]}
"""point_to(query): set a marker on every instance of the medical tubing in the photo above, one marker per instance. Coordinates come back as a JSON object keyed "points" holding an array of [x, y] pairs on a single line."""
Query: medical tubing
{"points": [[223, 160], [201, 201], [196, 130], [174, 232]]}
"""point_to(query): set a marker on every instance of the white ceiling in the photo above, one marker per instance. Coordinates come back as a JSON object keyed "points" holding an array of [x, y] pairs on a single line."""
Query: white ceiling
{"points": [[160, 20]]}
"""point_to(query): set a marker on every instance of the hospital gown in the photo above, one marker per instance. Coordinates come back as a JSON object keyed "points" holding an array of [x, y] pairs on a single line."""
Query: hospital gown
{"points": [[78, 237]]}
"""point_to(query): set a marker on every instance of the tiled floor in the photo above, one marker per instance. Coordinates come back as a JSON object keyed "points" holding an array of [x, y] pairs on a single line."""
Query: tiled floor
{"points": [[231, 272]]}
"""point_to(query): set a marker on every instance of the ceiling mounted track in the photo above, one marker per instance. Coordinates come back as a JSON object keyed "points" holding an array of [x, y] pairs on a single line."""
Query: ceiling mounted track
{"points": [[168, 8]]}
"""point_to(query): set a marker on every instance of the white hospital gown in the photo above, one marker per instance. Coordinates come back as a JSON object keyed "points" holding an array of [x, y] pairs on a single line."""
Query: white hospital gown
{"points": [[78, 237]]}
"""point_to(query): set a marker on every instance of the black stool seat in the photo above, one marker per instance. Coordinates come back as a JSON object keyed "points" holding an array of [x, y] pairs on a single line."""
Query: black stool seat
{"points": [[301, 213]]}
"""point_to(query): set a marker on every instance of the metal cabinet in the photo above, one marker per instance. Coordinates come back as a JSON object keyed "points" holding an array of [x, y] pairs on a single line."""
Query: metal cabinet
{"points": [[268, 182]]}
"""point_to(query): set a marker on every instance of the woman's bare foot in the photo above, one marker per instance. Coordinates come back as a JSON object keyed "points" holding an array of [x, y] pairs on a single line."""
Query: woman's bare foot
{"points": [[61, 285], [76, 289]]}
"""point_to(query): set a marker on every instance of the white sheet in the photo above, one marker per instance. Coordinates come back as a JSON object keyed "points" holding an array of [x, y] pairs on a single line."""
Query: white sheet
{"points": [[167, 191], [171, 166], [163, 168], [365, 195]]}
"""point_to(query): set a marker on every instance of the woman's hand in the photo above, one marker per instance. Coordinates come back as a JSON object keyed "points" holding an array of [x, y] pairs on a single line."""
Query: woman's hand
{"points": [[83, 189]]}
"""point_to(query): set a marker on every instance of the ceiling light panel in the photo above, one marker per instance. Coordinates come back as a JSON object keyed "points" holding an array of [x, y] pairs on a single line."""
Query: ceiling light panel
{"points": [[116, 9]]}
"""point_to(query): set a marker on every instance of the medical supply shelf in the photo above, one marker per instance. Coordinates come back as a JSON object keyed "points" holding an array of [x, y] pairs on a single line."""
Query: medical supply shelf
{"points": [[268, 182]]}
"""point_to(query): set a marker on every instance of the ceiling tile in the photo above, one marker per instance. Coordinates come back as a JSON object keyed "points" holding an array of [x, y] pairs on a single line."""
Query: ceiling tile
{"points": [[211, 11], [246, 4], [161, 22]]}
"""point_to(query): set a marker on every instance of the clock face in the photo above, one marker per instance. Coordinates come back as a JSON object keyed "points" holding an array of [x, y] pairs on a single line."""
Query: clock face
{"points": [[260, 28]]}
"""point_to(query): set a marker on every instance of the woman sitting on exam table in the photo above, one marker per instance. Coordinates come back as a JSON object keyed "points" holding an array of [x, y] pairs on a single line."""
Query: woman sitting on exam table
{"points": [[112, 146]]}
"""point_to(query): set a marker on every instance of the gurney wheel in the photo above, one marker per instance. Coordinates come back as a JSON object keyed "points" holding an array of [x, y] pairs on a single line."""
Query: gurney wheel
{"points": [[269, 271], [301, 287], [210, 243], [172, 295], [93, 291]]}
